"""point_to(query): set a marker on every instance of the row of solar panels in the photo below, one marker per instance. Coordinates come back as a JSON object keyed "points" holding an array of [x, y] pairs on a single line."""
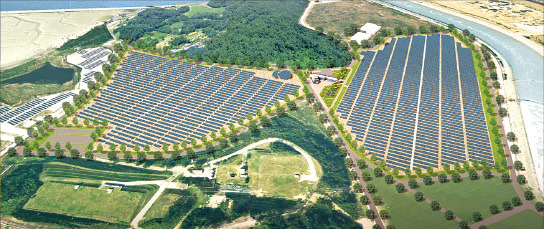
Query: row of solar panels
{"points": [[378, 88], [154, 100], [31, 109]]}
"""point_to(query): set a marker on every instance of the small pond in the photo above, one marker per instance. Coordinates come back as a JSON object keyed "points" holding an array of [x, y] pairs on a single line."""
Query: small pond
{"points": [[47, 74]]}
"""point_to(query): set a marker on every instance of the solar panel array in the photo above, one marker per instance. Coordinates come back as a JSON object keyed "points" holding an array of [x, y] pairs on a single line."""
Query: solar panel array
{"points": [[155, 100], [88, 77], [416, 102], [31, 109], [39, 109], [19, 110], [3, 109], [92, 58]]}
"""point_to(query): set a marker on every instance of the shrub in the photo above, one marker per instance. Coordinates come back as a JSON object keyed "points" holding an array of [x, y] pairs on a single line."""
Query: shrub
{"points": [[435, 205]]}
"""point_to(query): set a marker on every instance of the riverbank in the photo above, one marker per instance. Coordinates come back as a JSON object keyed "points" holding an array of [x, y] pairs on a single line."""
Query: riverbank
{"points": [[515, 123], [518, 37]]}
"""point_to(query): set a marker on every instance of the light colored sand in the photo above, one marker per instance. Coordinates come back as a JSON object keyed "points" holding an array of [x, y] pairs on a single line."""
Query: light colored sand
{"points": [[24, 35], [515, 17]]}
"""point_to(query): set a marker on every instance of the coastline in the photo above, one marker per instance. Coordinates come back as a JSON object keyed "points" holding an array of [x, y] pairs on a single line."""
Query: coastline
{"points": [[69, 10], [539, 49], [92, 9]]}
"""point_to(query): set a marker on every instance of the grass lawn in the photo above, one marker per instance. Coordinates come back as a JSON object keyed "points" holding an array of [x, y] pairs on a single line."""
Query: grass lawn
{"points": [[469, 196], [273, 172], [170, 208], [404, 209], [42, 138], [526, 219], [200, 9], [333, 91], [303, 129], [86, 202], [159, 209]]}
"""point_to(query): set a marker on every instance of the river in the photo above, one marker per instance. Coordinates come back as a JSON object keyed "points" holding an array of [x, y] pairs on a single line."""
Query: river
{"points": [[527, 67]]}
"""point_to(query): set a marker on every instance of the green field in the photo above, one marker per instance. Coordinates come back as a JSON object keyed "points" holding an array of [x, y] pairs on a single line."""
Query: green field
{"points": [[404, 209], [329, 99], [303, 129], [469, 196], [87, 202], [64, 172], [170, 208], [55, 179], [526, 219], [271, 169], [201, 9]]}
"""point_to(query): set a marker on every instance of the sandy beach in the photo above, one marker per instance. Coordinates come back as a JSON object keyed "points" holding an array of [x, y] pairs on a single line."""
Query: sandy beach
{"points": [[25, 35]]}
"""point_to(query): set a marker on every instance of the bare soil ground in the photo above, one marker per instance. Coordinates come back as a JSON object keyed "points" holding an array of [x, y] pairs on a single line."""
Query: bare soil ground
{"points": [[336, 16]]}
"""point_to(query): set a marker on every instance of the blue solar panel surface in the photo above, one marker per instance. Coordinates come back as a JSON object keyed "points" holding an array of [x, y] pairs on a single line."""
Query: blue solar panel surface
{"points": [[417, 102], [154, 100]]}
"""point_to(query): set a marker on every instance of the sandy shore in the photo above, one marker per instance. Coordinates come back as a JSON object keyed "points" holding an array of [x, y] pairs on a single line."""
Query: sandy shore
{"points": [[520, 38]]}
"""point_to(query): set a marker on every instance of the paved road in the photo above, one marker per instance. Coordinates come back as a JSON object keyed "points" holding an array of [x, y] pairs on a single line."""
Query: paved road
{"points": [[302, 19]]}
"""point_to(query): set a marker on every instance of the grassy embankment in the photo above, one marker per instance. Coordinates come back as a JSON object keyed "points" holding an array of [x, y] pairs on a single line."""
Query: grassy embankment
{"points": [[42, 190]]}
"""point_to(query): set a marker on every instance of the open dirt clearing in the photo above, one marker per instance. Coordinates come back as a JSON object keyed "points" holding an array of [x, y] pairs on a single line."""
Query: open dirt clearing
{"points": [[521, 17]]}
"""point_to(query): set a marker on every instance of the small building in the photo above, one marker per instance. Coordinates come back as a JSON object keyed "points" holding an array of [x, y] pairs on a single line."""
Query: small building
{"points": [[367, 31], [317, 78], [359, 36], [370, 28]]}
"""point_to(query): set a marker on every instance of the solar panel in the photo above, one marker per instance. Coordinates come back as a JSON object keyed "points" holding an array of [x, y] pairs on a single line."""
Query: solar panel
{"points": [[416, 103]]}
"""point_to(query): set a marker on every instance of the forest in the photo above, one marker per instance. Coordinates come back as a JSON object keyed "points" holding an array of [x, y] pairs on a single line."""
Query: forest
{"points": [[247, 32]]}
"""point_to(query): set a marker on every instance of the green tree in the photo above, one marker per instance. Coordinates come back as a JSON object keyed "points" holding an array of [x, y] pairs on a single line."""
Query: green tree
{"points": [[449, 215], [68, 145], [157, 155], [112, 155], [514, 148], [477, 217], [400, 188], [89, 156], [74, 153], [57, 145], [435, 205], [412, 184], [59, 154], [141, 156], [112, 147], [86, 121], [505, 178], [147, 148], [419, 196], [75, 121]]}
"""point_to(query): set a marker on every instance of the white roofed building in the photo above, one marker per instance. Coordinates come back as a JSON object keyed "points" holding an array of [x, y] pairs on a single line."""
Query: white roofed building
{"points": [[367, 31], [359, 36], [370, 28]]}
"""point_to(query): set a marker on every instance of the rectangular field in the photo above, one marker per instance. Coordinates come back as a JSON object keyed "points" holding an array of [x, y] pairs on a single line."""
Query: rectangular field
{"points": [[417, 103], [155, 100], [86, 202]]}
